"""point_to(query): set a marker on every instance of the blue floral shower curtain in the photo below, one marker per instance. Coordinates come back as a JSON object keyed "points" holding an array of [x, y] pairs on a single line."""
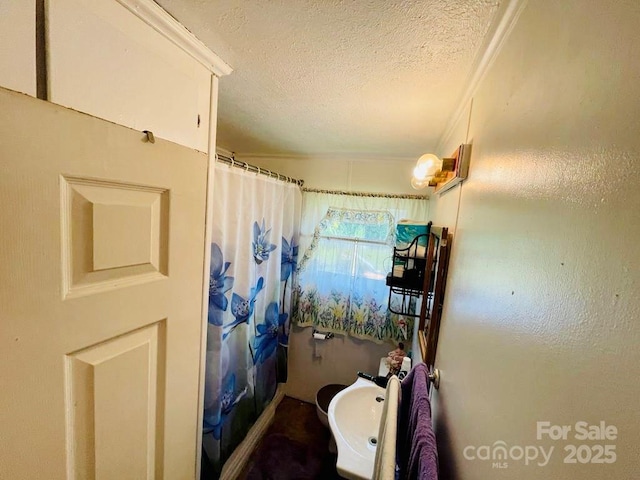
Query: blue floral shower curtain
{"points": [[253, 256]]}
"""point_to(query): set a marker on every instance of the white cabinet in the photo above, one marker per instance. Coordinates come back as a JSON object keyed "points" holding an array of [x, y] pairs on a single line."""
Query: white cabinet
{"points": [[18, 45], [126, 61], [106, 61]]}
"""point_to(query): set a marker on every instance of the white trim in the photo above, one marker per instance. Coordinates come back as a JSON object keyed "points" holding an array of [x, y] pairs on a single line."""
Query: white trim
{"points": [[156, 17], [238, 459], [505, 19], [208, 233]]}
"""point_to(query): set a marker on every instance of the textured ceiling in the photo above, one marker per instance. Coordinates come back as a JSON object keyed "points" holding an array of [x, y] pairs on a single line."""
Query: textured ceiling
{"points": [[376, 78]]}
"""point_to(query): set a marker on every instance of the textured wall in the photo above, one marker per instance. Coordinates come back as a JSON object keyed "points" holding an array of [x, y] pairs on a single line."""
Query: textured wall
{"points": [[315, 363], [541, 315], [351, 174]]}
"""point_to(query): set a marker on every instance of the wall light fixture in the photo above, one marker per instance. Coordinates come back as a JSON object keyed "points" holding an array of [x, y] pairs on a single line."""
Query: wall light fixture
{"points": [[431, 171]]}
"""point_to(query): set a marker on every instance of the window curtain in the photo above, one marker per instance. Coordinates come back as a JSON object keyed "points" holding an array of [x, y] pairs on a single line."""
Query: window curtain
{"points": [[253, 257], [348, 246]]}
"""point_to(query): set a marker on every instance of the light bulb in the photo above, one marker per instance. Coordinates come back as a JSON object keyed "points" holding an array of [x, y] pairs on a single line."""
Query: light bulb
{"points": [[419, 183], [420, 171], [427, 166]]}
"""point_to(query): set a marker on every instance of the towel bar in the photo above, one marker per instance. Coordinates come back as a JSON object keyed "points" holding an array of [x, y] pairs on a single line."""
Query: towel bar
{"points": [[434, 377]]}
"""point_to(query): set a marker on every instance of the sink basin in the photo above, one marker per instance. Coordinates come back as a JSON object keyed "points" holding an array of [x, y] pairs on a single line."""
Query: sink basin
{"points": [[354, 418]]}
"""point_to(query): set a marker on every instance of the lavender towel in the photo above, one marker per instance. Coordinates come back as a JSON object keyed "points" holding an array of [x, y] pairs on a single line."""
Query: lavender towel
{"points": [[417, 452]]}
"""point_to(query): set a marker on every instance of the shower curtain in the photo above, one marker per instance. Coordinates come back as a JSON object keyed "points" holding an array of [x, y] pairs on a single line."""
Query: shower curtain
{"points": [[253, 256]]}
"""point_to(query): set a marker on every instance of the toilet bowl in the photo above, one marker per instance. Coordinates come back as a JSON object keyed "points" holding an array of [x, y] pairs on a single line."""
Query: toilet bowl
{"points": [[323, 399]]}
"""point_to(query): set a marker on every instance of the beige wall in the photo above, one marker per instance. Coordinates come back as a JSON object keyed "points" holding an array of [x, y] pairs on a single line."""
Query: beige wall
{"points": [[388, 175], [18, 46], [541, 317], [315, 363]]}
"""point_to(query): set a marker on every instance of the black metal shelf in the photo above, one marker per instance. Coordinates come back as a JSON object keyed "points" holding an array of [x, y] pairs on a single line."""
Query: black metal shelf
{"points": [[408, 275]]}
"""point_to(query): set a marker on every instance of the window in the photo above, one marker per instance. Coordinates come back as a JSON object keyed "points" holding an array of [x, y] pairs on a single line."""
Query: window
{"points": [[341, 279]]}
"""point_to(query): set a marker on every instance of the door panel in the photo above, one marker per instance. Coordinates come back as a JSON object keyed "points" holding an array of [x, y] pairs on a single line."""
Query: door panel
{"points": [[113, 234], [101, 295], [113, 406]]}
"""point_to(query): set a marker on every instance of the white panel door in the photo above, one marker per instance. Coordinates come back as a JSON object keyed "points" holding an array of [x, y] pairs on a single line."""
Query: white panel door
{"points": [[101, 266], [104, 60]]}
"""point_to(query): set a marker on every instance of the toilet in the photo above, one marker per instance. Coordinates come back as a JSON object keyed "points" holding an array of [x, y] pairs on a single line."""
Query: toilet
{"points": [[323, 399]]}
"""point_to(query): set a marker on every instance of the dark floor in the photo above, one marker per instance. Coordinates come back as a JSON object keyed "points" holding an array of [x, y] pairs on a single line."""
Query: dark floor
{"points": [[296, 446]]}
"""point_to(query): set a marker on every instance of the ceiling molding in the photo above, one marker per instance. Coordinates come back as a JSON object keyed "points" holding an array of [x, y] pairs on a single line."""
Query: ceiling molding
{"points": [[156, 17], [505, 19]]}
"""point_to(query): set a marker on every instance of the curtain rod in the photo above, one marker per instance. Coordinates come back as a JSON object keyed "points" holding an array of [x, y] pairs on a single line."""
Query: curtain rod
{"points": [[259, 170], [367, 194]]}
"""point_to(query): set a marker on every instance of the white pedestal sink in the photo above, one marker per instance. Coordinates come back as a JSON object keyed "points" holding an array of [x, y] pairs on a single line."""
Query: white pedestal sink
{"points": [[354, 419]]}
